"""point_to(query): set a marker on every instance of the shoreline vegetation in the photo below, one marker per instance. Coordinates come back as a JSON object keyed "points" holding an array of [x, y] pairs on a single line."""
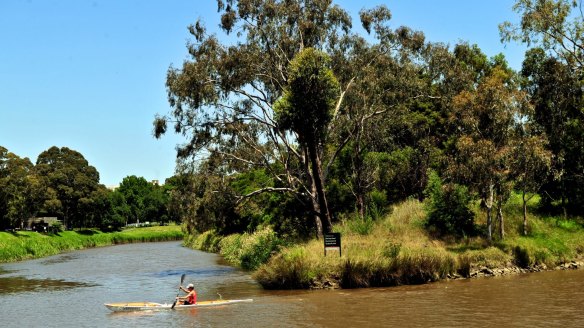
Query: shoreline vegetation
{"points": [[26, 245], [394, 250], [397, 250]]}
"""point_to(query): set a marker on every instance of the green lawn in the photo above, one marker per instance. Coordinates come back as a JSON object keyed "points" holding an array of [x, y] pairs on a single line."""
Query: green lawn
{"points": [[23, 245]]}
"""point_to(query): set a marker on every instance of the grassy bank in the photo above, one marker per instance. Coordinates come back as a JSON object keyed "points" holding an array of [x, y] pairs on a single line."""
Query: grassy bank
{"points": [[246, 250], [398, 250], [24, 245]]}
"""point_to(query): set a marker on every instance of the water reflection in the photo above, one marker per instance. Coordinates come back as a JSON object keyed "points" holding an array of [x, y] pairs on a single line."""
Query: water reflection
{"points": [[9, 285], [59, 259], [202, 272], [4, 271]]}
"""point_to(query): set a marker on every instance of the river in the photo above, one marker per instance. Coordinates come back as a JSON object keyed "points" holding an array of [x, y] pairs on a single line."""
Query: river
{"points": [[69, 290]]}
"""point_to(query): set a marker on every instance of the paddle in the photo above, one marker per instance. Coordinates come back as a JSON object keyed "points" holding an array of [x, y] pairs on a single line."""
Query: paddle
{"points": [[182, 278]]}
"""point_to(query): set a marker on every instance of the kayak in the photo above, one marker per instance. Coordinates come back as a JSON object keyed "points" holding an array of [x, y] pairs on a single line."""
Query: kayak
{"points": [[152, 306]]}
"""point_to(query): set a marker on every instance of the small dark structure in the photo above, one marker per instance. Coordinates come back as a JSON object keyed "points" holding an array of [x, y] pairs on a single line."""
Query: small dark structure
{"points": [[42, 224]]}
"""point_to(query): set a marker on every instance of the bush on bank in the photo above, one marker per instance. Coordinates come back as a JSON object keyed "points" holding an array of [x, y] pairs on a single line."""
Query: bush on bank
{"points": [[247, 250], [24, 245]]}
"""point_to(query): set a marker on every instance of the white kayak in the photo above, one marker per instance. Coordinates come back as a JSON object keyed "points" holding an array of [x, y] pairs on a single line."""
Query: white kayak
{"points": [[152, 306]]}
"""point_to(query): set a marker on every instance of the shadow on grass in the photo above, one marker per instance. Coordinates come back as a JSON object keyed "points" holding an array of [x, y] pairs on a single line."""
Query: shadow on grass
{"points": [[464, 248], [18, 234], [86, 232]]}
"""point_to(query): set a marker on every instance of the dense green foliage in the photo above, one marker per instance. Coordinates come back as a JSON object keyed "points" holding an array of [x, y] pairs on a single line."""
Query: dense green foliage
{"points": [[448, 208], [63, 185], [299, 118], [306, 108]]}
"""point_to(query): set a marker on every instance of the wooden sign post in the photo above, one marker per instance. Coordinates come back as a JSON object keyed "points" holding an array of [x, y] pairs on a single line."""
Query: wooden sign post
{"points": [[332, 241]]}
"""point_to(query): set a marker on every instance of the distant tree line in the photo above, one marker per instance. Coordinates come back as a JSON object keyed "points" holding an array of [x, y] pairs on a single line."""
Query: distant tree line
{"points": [[62, 184], [303, 121]]}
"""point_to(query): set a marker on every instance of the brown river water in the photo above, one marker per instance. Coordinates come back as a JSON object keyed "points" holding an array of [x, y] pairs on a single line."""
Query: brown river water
{"points": [[69, 290]]}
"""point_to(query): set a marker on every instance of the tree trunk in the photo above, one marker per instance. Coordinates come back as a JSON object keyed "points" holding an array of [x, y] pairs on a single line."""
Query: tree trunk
{"points": [[358, 171], [361, 205], [501, 220], [316, 169], [313, 197], [489, 205], [316, 208]]}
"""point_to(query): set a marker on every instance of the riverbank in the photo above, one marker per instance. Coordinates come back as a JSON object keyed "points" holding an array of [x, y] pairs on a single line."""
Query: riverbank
{"points": [[23, 245], [398, 250]]}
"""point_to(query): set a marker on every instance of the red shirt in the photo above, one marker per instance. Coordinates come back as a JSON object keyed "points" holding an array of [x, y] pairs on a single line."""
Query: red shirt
{"points": [[192, 297]]}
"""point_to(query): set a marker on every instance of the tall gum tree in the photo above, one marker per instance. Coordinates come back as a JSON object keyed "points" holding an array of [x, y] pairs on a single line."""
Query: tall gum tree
{"points": [[222, 98], [554, 25], [306, 108], [556, 93], [486, 117]]}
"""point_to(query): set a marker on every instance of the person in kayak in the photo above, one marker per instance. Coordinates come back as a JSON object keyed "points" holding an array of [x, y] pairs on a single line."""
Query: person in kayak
{"points": [[190, 298]]}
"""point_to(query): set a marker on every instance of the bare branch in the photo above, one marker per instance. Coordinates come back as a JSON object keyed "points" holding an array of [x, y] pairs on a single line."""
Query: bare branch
{"points": [[263, 190]]}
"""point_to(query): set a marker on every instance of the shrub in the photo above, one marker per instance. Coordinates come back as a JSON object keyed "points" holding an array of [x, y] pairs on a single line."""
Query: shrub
{"points": [[362, 227], [391, 250], [250, 250], [448, 209], [289, 269], [207, 241], [376, 203], [464, 265]]}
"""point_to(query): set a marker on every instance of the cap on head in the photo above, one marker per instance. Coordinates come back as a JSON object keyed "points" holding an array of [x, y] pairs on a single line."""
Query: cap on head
{"points": [[191, 286]]}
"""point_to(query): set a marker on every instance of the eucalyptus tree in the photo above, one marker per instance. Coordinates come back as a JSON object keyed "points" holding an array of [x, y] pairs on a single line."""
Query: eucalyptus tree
{"points": [[306, 108], [486, 116], [557, 97], [203, 201], [377, 119], [223, 96], [554, 25], [554, 74], [531, 162]]}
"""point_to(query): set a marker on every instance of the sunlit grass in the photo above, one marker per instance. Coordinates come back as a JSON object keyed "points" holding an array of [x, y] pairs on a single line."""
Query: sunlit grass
{"points": [[23, 245], [398, 250]]}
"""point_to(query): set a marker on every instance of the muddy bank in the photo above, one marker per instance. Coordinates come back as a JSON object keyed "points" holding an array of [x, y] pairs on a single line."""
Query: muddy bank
{"points": [[477, 272], [488, 272]]}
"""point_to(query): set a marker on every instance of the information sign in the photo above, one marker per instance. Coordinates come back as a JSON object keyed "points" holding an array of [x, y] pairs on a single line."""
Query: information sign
{"points": [[332, 241]]}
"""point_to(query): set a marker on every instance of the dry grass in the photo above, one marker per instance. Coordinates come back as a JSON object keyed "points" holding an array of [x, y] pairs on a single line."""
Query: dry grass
{"points": [[398, 250]]}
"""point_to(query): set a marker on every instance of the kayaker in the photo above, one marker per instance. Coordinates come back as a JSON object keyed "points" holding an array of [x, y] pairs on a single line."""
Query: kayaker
{"points": [[191, 297]]}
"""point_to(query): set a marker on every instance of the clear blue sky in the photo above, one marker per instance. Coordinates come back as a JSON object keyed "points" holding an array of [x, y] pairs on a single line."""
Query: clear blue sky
{"points": [[90, 74]]}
